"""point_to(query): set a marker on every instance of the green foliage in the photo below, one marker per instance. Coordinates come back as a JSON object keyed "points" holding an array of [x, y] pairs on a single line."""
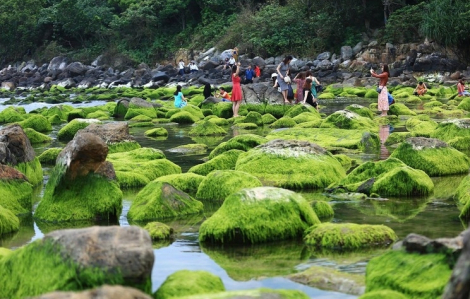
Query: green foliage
{"points": [[16, 196], [185, 282], [8, 221], [403, 24], [224, 161], [50, 155], [158, 230]]}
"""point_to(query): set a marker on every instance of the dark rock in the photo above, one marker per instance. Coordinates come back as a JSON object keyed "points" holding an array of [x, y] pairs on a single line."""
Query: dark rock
{"points": [[324, 55], [15, 146], [423, 245], [366, 186], [137, 102], [76, 68], [110, 132], [58, 63], [459, 283]]}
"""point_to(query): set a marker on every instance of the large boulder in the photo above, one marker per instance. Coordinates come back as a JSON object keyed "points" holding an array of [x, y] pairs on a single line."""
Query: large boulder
{"points": [[458, 286], [116, 135], [243, 142], [77, 259], [103, 292], [82, 185], [258, 215], [390, 177], [138, 106], [292, 164], [16, 151], [433, 156], [223, 161], [345, 119]]}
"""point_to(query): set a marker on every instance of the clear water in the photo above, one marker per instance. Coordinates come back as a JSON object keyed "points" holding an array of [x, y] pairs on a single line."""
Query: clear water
{"points": [[247, 267]]}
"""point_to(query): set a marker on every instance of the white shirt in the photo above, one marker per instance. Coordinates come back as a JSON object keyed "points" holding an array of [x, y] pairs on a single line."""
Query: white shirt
{"points": [[232, 60], [181, 65], [193, 66]]}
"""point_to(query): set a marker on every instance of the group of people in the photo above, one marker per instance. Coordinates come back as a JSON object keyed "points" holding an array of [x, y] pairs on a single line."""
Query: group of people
{"points": [[192, 67]]}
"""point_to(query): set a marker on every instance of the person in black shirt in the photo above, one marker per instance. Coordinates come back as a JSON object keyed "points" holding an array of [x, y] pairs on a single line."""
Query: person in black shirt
{"points": [[308, 97]]}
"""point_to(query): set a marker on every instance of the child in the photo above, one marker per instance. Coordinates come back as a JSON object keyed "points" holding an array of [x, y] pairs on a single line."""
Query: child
{"points": [[223, 94], [180, 101]]}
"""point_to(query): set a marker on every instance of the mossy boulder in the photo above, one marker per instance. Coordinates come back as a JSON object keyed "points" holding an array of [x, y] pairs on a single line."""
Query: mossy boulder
{"points": [[464, 104], [12, 114], [268, 119], [141, 118], [390, 177], [404, 273], [421, 124], [82, 185], [277, 111], [451, 129], [115, 134], [186, 182], [69, 130], [345, 160], [254, 118], [284, 122], [158, 231], [361, 110], [299, 109], [243, 142], [217, 185], [141, 166], [224, 161], [190, 149], [432, 156], [460, 143], [371, 94], [49, 156], [462, 195], [383, 294], [8, 221], [184, 117], [218, 121], [400, 109], [184, 283], [307, 117], [101, 115], [157, 132], [245, 126], [37, 122], [15, 191], [345, 119], [159, 200], [397, 137], [36, 137], [349, 236], [323, 209], [258, 215], [206, 128], [326, 96], [291, 164]]}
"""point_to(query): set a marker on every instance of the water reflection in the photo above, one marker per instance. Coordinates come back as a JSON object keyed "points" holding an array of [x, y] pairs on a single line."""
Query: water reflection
{"points": [[384, 132]]}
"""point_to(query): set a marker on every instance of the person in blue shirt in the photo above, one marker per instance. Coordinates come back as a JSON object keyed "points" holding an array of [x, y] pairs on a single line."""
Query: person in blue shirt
{"points": [[249, 74], [180, 101]]}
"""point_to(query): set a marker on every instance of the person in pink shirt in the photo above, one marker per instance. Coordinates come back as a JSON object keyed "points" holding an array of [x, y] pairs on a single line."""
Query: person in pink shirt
{"points": [[461, 88]]}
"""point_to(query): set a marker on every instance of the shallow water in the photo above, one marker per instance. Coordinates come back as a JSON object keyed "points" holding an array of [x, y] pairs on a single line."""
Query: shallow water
{"points": [[247, 267]]}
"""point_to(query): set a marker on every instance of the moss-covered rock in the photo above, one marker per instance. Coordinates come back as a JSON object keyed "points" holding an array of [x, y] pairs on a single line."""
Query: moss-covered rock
{"points": [[184, 117], [323, 209], [186, 182], [345, 119], [32, 170], [243, 142], [5, 252], [284, 122], [245, 126], [218, 121], [12, 114], [185, 283], [36, 137], [158, 200], [206, 128], [383, 294], [252, 294], [217, 185], [224, 161], [361, 110], [326, 96], [268, 119], [400, 109], [37, 122], [453, 128], [259, 215], [421, 124], [141, 166], [68, 131], [190, 149], [291, 164], [464, 104], [157, 132], [345, 160], [49, 156], [141, 118], [101, 115], [158, 231], [307, 117], [462, 195], [8, 221], [254, 118], [277, 111], [349, 236], [390, 177], [123, 146], [397, 137], [301, 108], [403, 272], [15, 191], [432, 156]]}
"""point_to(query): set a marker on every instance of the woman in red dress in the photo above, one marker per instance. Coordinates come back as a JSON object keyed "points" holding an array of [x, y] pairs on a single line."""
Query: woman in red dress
{"points": [[236, 89]]}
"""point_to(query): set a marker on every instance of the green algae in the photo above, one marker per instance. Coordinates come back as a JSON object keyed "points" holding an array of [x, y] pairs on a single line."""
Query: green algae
{"points": [[307, 117], [4, 252], [268, 119], [206, 128], [49, 156], [8, 221], [243, 142], [37, 122], [245, 126], [100, 115], [141, 124], [277, 111], [224, 161], [450, 129], [218, 121], [36, 137], [349, 236], [184, 117], [141, 118], [463, 197], [397, 137], [323, 209], [158, 231], [284, 122], [400, 109], [345, 119], [258, 215], [301, 108], [345, 161], [190, 149], [186, 182], [184, 283], [254, 117], [422, 124], [435, 161], [32, 170], [414, 275], [217, 185], [69, 130], [133, 112], [124, 146], [361, 110], [464, 104], [383, 294], [16, 196], [12, 115], [159, 200]]}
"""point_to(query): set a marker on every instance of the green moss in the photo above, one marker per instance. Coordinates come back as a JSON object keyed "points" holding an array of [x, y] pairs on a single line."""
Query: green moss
{"points": [[349, 236], [421, 124], [158, 230], [36, 122], [184, 117], [124, 146], [133, 112], [243, 142], [186, 182], [310, 124], [223, 110], [36, 137], [22, 272], [12, 114], [140, 166], [371, 94], [68, 131], [55, 120], [120, 110], [141, 118], [217, 185], [307, 117], [383, 294], [432, 104], [190, 149], [260, 108], [158, 200], [323, 209], [391, 177], [157, 132], [326, 96], [344, 119], [196, 111], [32, 170], [435, 161], [101, 115], [268, 119], [284, 122], [253, 294], [259, 215], [49, 156], [206, 128], [414, 275], [400, 109], [346, 161], [397, 137], [300, 109], [465, 104], [141, 124], [16, 196], [460, 143], [185, 283], [450, 129], [463, 198], [4, 252], [277, 111], [89, 197], [218, 121], [361, 110], [254, 117], [245, 126], [8, 221], [224, 161]]}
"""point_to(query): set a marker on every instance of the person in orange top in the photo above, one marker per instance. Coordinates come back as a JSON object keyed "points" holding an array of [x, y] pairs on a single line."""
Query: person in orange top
{"points": [[382, 89], [420, 89], [223, 94]]}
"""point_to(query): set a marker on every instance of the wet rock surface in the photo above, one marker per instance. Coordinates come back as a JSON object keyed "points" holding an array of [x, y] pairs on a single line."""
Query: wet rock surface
{"points": [[104, 292], [15, 146]]}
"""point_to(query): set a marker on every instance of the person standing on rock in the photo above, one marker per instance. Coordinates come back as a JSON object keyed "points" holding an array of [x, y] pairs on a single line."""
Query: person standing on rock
{"points": [[236, 89], [249, 74], [283, 72], [300, 81], [257, 71], [181, 67], [180, 101], [382, 89]]}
